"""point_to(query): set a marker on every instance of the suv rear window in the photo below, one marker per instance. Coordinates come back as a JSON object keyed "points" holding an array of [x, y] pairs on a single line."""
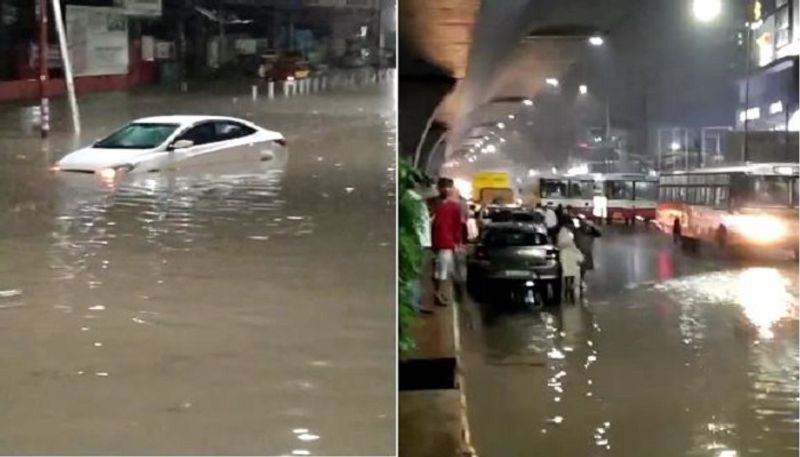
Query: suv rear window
{"points": [[501, 238]]}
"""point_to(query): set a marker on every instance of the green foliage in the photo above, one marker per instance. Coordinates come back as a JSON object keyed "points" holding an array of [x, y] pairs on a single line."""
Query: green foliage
{"points": [[410, 253]]}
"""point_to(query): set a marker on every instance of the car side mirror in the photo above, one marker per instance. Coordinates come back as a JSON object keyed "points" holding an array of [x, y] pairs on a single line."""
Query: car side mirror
{"points": [[181, 144]]}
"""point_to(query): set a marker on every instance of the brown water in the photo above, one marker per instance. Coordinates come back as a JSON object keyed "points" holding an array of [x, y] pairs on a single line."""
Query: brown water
{"points": [[673, 355], [240, 311]]}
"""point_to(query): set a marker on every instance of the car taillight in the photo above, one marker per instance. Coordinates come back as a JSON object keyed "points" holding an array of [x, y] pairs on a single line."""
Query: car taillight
{"points": [[281, 142]]}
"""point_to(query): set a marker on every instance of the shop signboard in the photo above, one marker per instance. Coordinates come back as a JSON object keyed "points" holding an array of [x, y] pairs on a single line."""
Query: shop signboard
{"points": [[145, 8], [352, 4], [98, 40]]}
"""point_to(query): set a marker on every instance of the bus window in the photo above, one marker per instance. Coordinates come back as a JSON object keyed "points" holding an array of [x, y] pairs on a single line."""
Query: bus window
{"points": [[721, 197], [700, 198], [645, 190], [620, 190], [769, 190], [553, 189], [581, 189]]}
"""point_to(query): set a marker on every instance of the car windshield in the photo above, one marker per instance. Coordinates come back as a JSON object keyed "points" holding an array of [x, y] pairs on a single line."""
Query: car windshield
{"points": [[524, 217], [137, 136], [501, 238]]}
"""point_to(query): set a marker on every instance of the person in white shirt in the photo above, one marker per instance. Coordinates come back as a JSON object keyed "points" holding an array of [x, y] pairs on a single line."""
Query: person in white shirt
{"points": [[551, 221]]}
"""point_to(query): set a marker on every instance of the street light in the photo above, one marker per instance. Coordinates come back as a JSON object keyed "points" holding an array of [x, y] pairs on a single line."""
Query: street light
{"points": [[527, 102], [583, 89], [596, 40], [706, 10], [501, 125], [551, 82], [675, 146]]}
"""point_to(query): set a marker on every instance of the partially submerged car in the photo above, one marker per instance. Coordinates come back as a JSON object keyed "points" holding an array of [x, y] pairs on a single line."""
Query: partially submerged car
{"points": [[155, 143]]}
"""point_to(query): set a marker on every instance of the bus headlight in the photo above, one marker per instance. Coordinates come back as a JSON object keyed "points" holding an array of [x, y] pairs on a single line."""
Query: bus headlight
{"points": [[758, 228]]}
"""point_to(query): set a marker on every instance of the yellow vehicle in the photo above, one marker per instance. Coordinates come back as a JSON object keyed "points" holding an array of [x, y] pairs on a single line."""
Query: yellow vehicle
{"points": [[492, 187]]}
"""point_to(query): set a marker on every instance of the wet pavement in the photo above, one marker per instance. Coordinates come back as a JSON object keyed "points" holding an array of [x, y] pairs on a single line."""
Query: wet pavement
{"points": [[673, 354], [243, 310]]}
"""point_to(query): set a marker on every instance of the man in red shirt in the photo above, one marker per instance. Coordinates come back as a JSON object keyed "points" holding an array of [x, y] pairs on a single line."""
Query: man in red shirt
{"points": [[445, 240]]}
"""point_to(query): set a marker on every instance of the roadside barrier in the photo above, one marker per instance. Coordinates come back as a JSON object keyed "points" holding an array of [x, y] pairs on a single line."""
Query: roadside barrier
{"points": [[339, 79]]}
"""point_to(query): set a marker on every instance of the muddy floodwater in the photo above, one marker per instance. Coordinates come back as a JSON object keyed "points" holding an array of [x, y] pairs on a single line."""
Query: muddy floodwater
{"points": [[673, 355], [242, 310]]}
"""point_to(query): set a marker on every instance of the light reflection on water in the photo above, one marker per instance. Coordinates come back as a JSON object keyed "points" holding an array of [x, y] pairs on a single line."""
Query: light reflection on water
{"points": [[710, 357], [765, 295]]}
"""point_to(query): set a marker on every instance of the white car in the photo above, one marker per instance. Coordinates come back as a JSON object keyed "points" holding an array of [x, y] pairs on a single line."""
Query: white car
{"points": [[151, 144]]}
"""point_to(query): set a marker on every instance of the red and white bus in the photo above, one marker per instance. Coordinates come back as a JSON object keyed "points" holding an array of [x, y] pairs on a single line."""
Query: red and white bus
{"points": [[748, 205], [629, 197]]}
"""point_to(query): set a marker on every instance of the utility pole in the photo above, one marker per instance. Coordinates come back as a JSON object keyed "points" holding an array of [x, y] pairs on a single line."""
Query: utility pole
{"points": [[43, 75], [748, 45], [187, 6], [380, 33], [221, 45], [67, 65]]}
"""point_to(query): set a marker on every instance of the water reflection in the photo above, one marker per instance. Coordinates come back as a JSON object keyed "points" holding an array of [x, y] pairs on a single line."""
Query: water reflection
{"points": [[704, 364], [765, 296]]}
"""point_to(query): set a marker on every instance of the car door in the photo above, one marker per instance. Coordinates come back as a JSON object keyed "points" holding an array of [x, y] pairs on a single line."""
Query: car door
{"points": [[216, 142]]}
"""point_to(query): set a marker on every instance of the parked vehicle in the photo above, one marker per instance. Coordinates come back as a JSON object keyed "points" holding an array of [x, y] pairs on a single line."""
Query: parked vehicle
{"points": [[516, 261], [289, 66]]}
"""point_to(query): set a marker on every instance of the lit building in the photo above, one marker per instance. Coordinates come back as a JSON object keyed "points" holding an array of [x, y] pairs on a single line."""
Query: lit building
{"points": [[768, 100]]}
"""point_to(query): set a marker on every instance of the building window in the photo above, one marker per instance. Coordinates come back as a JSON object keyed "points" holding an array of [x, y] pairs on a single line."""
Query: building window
{"points": [[781, 38], [782, 19]]}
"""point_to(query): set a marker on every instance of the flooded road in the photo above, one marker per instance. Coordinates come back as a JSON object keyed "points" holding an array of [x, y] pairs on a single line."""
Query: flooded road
{"points": [[673, 354], [240, 311]]}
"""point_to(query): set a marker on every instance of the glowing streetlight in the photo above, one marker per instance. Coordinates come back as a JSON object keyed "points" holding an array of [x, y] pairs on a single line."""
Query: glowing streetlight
{"points": [[527, 102], [675, 146], [491, 149], [551, 82], [501, 125], [512, 117], [706, 10], [583, 89], [596, 40]]}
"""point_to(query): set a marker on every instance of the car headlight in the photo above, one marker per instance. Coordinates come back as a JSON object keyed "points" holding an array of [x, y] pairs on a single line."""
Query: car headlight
{"points": [[111, 173]]}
